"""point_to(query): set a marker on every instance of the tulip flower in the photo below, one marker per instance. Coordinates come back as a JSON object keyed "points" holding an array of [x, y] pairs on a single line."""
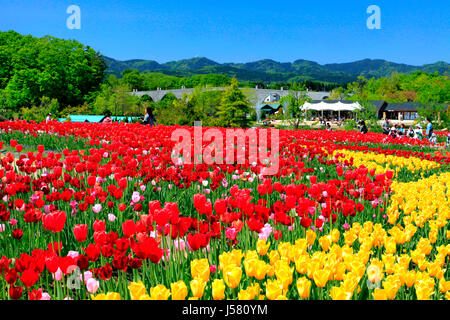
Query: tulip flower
{"points": [[179, 290], [80, 232], [200, 269], [218, 289], [197, 287]]}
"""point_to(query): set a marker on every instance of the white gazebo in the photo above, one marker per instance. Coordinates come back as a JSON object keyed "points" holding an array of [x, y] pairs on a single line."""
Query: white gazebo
{"points": [[336, 106]]}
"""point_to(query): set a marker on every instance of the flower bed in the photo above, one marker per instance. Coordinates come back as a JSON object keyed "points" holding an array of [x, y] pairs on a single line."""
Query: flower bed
{"points": [[108, 215]]}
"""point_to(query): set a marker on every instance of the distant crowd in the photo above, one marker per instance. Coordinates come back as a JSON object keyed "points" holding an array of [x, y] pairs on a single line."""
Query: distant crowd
{"points": [[415, 132]]}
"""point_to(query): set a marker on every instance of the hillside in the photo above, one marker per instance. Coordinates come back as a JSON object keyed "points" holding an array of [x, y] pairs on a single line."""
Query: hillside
{"points": [[268, 70]]}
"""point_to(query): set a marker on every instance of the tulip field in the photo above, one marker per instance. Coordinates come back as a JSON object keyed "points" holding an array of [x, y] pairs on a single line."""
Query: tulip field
{"points": [[101, 212]]}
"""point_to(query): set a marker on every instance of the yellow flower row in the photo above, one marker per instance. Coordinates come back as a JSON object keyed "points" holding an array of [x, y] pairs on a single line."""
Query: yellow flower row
{"points": [[382, 163]]}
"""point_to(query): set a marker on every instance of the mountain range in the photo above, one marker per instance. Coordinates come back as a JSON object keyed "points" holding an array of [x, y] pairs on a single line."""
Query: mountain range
{"points": [[272, 71]]}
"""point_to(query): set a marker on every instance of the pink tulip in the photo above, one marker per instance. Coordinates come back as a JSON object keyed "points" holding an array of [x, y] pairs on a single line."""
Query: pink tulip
{"points": [[111, 217], [180, 244], [92, 285], [97, 208], [45, 296], [58, 275], [73, 254]]}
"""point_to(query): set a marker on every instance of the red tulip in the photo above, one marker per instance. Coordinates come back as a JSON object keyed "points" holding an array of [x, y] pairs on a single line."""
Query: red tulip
{"points": [[129, 228], [80, 232], [29, 278], [15, 292], [17, 234], [54, 221], [277, 234]]}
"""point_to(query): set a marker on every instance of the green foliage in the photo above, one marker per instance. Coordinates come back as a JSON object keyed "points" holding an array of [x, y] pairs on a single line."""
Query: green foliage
{"points": [[294, 101], [39, 113], [31, 68], [234, 107], [397, 88]]}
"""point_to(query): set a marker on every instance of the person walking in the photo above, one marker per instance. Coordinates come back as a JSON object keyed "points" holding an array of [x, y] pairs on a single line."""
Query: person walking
{"points": [[149, 118], [385, 126], [429, 132], [364, 129]]}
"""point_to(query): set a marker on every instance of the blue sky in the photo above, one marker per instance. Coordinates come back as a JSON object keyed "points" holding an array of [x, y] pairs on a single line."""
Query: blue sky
{"points": [[327, 31]]}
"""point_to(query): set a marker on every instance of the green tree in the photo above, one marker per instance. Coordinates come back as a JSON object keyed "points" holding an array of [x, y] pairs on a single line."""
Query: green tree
{"points": [[294, 101], [234, 107]]}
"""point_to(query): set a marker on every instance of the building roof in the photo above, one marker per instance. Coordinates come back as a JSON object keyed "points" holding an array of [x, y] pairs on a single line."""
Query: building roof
{"points": [[406, 106], [273, 106]]}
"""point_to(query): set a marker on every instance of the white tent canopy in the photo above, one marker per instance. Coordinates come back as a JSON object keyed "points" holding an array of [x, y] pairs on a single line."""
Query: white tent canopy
{"points": [[338, 106]]}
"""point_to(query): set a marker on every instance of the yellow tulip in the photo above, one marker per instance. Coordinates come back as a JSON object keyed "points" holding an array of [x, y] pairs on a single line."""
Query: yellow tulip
{"points": [[379, 294], [301, 264], [218, 289], [274, 289], [337, 293], [424, 292], [284, 275], [262, 247], [321, 277], [335, 235], [137, 289], [245, 295], [179, 290], [232, 276], [197, 287], [200, 269], [310, 237], [410, 278], [303, 287], [444, 285], [325, 243], [270, 270], [108, 296], [160, 292], [254, 290], [274, 256], [260, 270]]}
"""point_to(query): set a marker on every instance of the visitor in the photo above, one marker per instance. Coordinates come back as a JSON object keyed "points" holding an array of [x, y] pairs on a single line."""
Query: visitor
{"points": [[418, 132], [393, 132], [329, 127], [385, 126], [448, 140], [429, 132], [433, 138], [401, 130], [364, 129], [107, 117], [411, 132], [149, 118], [49, 118]]}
